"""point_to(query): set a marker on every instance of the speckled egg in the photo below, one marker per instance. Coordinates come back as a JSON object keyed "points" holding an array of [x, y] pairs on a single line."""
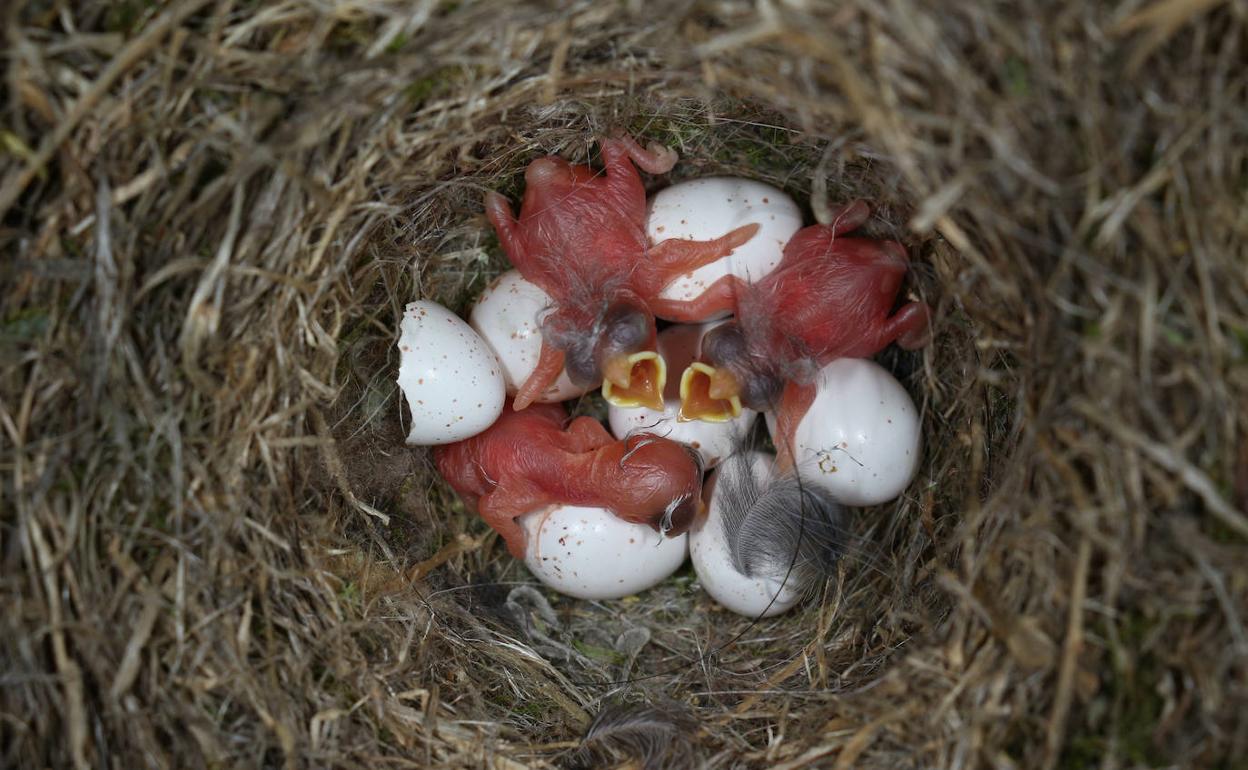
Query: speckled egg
{"points": [[450, 377], [506, 317], [860, 439], [713, 440], [752, 596], [705, 209], [590, 553]]}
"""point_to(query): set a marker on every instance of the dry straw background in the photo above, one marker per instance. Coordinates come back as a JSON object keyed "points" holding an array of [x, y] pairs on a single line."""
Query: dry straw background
{"points": [[217, 552]]}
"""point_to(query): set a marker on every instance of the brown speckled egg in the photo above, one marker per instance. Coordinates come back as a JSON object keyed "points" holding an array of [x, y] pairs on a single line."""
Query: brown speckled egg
{"points": [[507, 317], [860, 438], [590, 553], [707, 208]]}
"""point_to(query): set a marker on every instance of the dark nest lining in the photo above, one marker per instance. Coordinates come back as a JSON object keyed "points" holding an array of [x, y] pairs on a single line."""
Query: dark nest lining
{"points": [[217, 551]]}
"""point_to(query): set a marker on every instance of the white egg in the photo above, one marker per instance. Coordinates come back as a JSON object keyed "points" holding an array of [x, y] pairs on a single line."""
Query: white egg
{"points": [[590, 553], [760, 595], [506, 317], [452, 381], [713, 440], [860, 439], [705, 209]]}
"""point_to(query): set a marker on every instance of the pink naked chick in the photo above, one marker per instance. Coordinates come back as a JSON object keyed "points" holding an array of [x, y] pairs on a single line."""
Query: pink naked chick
{"points": [[581, 237], [831, 297], [528, 460]]}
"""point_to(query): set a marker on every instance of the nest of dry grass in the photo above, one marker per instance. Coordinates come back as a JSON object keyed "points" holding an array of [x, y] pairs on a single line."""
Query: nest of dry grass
{"points": [[217, 551]]}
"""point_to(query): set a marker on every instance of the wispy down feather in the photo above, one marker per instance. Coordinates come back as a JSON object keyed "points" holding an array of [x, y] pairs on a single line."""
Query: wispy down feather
{"points": [[658, 738], [774, 523]]}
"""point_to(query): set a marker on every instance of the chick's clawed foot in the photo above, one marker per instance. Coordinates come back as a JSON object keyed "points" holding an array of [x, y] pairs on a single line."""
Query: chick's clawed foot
{"points": [[653, 159]]}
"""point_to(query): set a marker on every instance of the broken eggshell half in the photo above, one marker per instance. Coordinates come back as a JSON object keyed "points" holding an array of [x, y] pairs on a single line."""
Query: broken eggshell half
{"points": [[451, 379]]}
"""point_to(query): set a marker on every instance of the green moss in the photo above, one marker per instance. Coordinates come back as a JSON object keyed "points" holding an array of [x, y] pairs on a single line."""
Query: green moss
{"points": [[126, 16], [397, 43], [71, 247], [12, 144], [1218, 531], [437, 83], [591, 404], [349, 593], [1082, 752], [1240, 334], [756, 149], [1130, 685], [24, 326], [668, 132], [533, 708], [602, 654], [1174, 337], [1016, 77]]}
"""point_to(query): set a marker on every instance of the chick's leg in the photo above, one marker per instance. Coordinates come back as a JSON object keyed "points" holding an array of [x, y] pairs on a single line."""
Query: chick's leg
{"points": [[677, 255], [848, 218], [655, 159], [622, 182], [585, 434], [506, 503], [498, 211], [910, 327], [720, 297], [793, 407], [549, 365]]}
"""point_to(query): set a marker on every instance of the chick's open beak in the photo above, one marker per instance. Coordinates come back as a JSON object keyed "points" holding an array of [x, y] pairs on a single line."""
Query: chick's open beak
{"points": [[635, 380], [708, 394]]}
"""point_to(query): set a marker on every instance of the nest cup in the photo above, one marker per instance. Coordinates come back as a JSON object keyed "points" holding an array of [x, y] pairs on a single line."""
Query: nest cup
{"points": [[219, 552]]}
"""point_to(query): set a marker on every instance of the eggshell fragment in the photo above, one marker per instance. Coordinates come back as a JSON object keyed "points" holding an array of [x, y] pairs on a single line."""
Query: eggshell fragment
{"points": [[590, 553], [752, 596], [451, 379], [707, 208], [507, 317], [860, 439], [713, 440]]}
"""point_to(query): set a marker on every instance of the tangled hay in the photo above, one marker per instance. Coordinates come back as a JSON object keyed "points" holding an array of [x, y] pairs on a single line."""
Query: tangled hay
{"points": [[218, 552]]}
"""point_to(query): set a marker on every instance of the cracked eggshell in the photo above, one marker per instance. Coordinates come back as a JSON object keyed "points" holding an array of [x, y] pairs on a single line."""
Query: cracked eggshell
{"points": [[756, 596], [714, 441], [450, 377], [705, 209], [506, 316], [590, 553], [860, 439]]}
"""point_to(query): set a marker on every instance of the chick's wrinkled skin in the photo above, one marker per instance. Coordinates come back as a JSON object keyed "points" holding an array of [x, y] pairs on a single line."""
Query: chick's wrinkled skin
{"points": [[581, 237], [831, 297], [529, 460]]}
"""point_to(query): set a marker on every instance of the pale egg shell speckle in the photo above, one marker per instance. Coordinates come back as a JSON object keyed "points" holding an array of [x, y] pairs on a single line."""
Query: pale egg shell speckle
{"points": [[759, 595], [590, 553], [450, 377], [860, 439], [506, 316], [705, 209], [713, 440]]}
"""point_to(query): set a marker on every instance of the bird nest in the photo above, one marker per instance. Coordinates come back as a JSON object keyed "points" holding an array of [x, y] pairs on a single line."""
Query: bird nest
{"points": [[218, 551]]}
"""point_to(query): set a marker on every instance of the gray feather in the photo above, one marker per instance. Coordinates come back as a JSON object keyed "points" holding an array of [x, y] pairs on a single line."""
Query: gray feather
{"points": [[772, 525], [658, 738]]}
